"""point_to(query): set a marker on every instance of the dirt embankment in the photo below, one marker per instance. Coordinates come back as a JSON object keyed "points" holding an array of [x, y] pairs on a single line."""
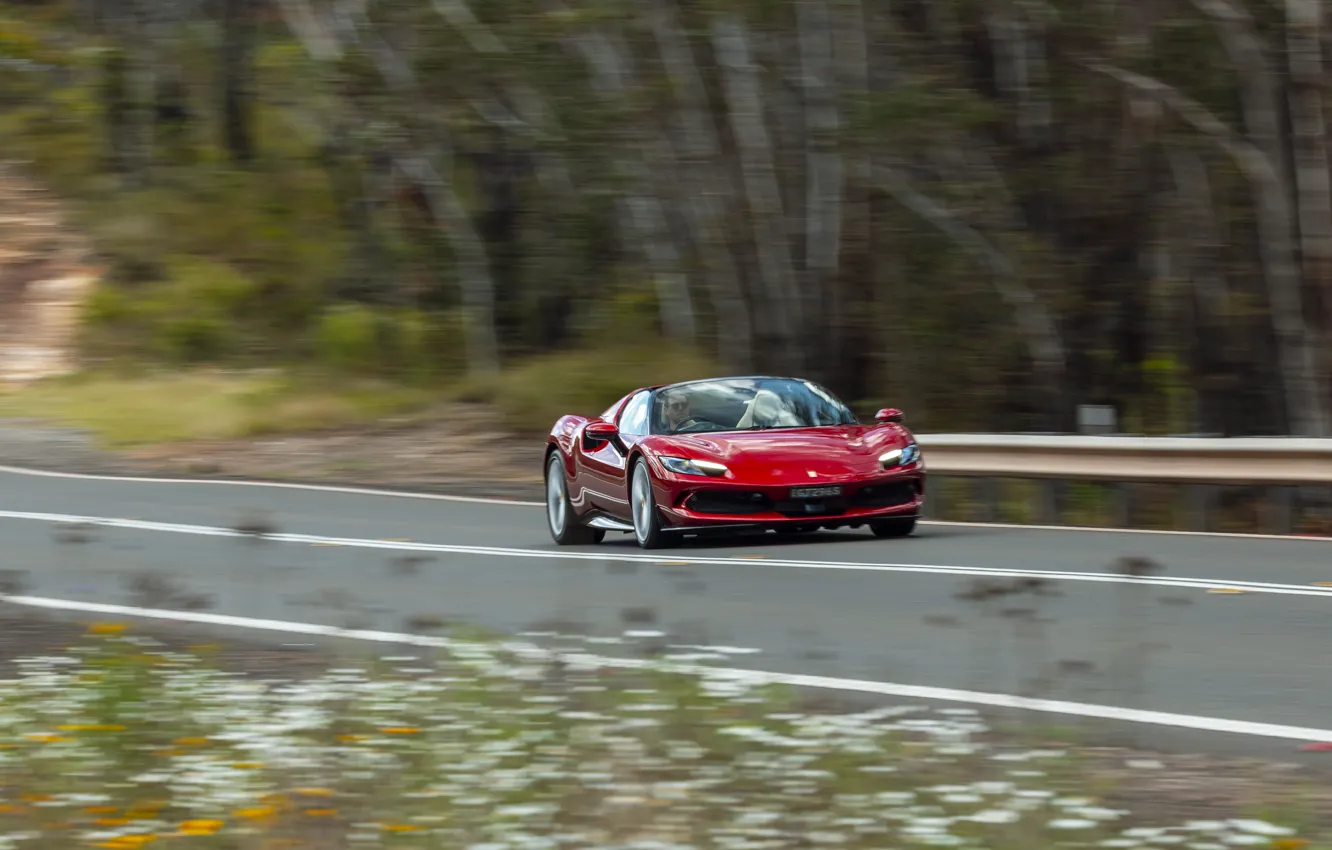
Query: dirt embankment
{"points": [[47, 270]]}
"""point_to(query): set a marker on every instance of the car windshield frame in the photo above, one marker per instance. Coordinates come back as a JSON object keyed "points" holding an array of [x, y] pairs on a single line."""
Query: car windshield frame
{"points": [[810, 399]]}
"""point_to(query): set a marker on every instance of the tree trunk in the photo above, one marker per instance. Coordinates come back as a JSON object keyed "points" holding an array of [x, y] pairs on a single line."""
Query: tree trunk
{"points": [[237, 52], [1212, 337], [707, 185], [1306, 405], [645, 216], [473, 264], [823, 179], [1307, 80], [852, 293], [1039, 332], [744, 96]]}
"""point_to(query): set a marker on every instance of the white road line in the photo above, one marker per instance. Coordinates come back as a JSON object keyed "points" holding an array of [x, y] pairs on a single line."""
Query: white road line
{"points": [[278, 485], [485, 500], [610, 555], [889, 689]]}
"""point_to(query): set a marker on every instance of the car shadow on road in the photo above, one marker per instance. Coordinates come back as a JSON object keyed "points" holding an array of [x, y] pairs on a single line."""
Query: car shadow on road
{"points": [[799, 541]]}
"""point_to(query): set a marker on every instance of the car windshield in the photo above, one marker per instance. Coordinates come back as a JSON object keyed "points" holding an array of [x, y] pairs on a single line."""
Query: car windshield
{"points": [[746, 404]]}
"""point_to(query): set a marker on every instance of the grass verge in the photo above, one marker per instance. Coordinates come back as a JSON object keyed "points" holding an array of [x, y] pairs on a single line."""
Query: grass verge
{"points": [[150, 409], [147, 409], [121, 743]]}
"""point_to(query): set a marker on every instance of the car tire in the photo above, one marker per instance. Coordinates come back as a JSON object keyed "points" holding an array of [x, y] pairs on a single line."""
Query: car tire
{"points": [[893, 527], [648, 531], [564, 527]]}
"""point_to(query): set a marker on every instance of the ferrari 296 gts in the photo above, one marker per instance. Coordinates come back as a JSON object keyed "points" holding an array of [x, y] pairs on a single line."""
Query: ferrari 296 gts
{"points": [[730, 454]]}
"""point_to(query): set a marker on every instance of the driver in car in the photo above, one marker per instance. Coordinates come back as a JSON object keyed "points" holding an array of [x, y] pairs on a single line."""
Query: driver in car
{"points": [[677, 412]]}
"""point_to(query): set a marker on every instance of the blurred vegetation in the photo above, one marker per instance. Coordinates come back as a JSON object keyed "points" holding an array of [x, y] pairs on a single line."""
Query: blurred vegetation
{"points": [[979, 216], [129, 410], [134, 406], [134, 740]]}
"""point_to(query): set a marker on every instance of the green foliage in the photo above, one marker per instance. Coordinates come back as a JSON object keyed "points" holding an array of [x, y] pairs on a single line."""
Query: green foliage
{"points": [[532, 395], [348, 338], [624, 318], [294, 256], [406, 345], [199, 313]]}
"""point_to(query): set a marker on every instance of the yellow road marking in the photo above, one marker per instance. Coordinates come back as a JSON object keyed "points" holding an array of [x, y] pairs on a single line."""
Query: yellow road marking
{"points": [[751, 556], [1323, 584], [1226, 590]]}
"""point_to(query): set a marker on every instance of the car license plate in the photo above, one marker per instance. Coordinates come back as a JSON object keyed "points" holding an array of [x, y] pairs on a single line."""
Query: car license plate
{"points": [[815, 492]]}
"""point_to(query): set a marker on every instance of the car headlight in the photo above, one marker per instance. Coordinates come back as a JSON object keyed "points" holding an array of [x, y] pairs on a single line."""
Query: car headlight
{"points": [[904, 456], [685, 466]]}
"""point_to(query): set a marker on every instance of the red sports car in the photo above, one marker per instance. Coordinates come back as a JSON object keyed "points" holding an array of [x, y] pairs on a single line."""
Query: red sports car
{"points": [[730, 454]]}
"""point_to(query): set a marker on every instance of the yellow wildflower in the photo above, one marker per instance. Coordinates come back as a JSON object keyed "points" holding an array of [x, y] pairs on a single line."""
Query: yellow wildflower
{"points": [[92, 727], [145, 810], [200, 827], [400, 730], [106, 628], [321, 813]]}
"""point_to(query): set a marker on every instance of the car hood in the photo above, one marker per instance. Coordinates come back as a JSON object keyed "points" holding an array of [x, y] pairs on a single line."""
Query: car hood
{"points": [[789, 455]]}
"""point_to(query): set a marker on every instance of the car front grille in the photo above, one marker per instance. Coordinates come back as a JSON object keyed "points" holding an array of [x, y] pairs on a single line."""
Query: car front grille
{"points": [[732, 502], [813, 507], [741, 502]]}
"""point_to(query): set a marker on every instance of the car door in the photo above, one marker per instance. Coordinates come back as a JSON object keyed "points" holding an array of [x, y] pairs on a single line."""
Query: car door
{"points": [[603, 465]]}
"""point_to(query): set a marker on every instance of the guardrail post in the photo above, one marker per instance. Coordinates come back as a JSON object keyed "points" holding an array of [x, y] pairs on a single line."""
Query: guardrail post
{"points": [[1052, 498], [930, 510], [1126, 494], [1280, 509], [1198, 498], [987, 495]]}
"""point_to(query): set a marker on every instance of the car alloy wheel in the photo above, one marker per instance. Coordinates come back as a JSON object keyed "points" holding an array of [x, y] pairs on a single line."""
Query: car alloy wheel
{"points": [[564, 526], [647, 523], [642, 504]]}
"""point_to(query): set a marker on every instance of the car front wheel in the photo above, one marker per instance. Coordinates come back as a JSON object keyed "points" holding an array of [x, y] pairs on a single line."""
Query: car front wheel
{"points": [[647, 521], [893, 527]]}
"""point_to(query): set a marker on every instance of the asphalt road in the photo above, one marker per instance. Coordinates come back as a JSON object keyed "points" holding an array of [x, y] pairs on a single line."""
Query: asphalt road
{"points": [[836, 604]]}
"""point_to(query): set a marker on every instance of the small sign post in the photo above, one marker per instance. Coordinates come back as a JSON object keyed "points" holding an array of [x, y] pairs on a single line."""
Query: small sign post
{"points": [[1096, 419]]}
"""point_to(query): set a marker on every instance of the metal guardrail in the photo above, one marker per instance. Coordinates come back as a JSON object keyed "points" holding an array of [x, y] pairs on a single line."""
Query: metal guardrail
{"points": [[1180, 460], [1282, 485]]}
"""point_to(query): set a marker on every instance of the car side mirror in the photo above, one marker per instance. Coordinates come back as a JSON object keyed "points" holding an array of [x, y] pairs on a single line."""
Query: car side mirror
{"points": [[599, 432], [889, 414]]}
